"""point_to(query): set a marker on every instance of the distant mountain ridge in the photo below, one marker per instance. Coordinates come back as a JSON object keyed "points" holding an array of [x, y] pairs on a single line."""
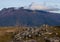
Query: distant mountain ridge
{"points": [[21, 16]]}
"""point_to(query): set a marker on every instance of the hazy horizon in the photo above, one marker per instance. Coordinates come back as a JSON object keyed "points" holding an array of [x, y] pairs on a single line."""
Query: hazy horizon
{"points": [[26, 3], [20, 3]]}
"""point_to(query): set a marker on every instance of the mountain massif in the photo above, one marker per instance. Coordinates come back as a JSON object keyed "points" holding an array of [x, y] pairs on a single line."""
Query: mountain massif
{"points": [[27, 17]]}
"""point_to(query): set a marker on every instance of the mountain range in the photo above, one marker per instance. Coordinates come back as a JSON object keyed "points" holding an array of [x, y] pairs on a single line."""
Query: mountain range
{"points": [[27, 17]]}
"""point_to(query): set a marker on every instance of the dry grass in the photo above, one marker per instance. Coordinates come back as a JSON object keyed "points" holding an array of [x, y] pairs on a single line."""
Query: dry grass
{"points": [[6, 36]]}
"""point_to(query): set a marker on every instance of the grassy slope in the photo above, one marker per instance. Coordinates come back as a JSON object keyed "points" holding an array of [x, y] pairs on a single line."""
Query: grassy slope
{"points": [[6, 37]]}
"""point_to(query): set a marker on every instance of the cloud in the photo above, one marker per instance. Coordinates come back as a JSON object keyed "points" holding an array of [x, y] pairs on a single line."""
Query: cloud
{"points": [[53, 9], [38, 7], [35, 6]]}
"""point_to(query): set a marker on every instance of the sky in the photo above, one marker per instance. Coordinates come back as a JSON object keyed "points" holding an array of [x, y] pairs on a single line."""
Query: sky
{"points": [[25, 3]]}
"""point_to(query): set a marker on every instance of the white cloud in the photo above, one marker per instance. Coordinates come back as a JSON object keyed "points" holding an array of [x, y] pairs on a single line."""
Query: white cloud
{"points": [[35, 6], [38, 7]]}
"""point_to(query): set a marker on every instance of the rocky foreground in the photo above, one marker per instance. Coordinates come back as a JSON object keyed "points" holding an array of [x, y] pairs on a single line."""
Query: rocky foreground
{"points": [[29, 34]]}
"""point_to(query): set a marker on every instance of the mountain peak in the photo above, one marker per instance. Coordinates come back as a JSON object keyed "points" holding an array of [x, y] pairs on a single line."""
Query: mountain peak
{"points": [[27, 17]]}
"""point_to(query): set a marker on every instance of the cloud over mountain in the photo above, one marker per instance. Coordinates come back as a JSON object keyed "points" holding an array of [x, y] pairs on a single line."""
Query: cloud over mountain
{"points": [[35, 6]]}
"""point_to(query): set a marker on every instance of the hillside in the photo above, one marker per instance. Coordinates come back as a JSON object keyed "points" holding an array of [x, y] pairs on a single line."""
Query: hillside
{"points": [[26, 17], [7, 34]]}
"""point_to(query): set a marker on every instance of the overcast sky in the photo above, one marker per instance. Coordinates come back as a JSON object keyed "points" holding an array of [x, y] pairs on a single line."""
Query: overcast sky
{"points": [[20, 3]]}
